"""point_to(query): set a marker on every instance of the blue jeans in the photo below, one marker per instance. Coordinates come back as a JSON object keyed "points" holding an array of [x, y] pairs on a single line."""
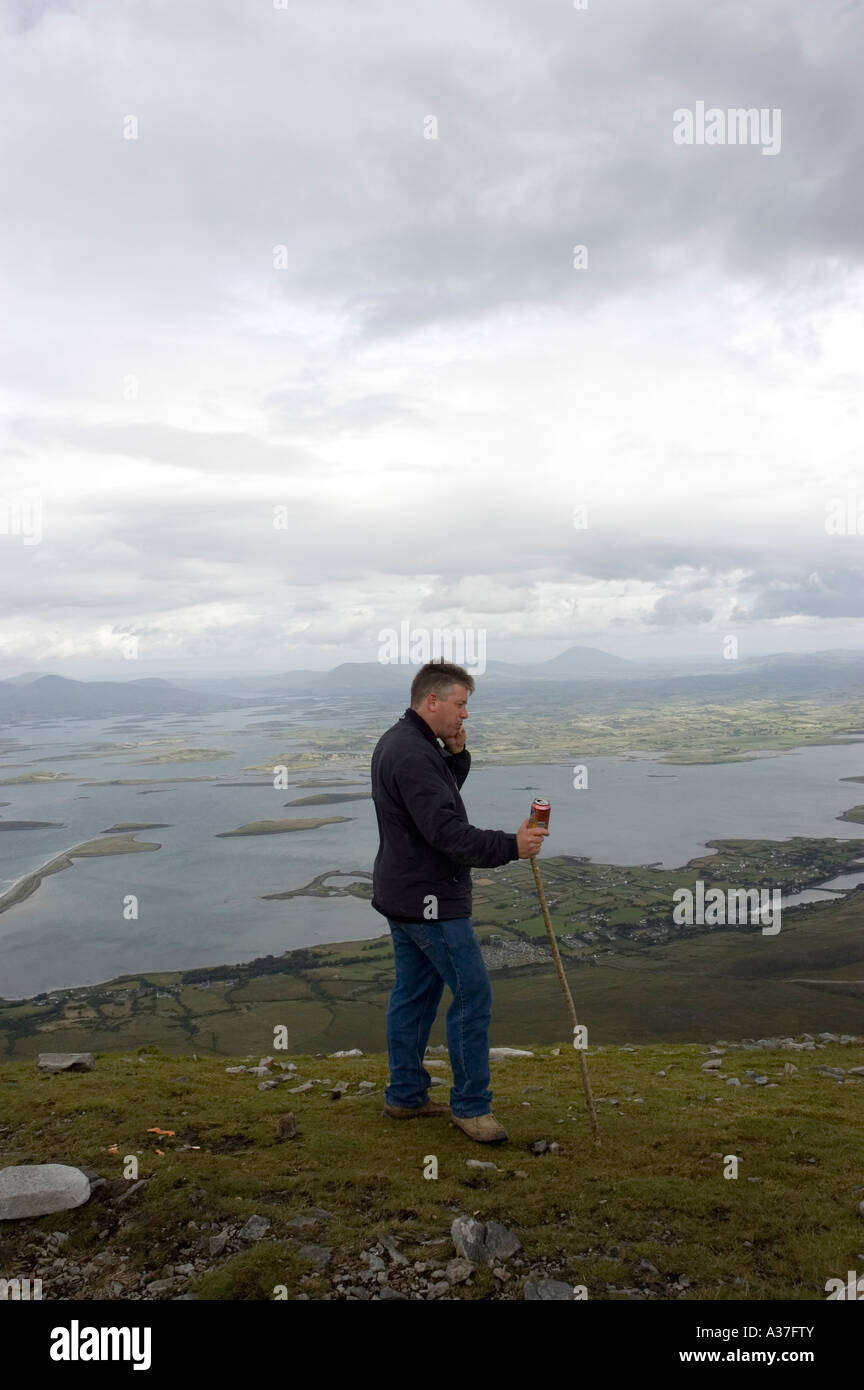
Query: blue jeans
{"points": [[427, 956]]}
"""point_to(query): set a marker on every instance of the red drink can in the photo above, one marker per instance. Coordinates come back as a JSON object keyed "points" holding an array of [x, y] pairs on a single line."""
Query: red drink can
{"points": [[540, 813]]}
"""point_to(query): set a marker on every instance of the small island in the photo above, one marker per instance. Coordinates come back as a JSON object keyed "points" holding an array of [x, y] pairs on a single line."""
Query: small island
{"points": [[279, 827], [130, 825], [326, 798], [32, 824], [25, 777], [186, 755]]}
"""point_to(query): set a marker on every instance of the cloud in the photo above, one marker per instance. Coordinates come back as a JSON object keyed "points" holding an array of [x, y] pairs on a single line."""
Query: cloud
{"points": [[281, 294]]}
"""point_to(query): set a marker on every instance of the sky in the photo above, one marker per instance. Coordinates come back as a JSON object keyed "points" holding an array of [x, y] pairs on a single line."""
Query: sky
{"points": [[325, 318]]}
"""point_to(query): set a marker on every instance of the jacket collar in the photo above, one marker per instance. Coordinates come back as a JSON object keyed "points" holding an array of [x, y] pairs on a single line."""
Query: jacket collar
{"points": [[420, 723]]}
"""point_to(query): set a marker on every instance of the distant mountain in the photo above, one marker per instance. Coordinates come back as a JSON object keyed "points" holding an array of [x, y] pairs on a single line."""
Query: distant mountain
{"points": [[576, 663], [55, 697], [592, 674]]}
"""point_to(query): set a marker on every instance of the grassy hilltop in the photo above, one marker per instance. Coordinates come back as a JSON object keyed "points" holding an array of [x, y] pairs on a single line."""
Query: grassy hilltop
{"points": [[647, 1215]]}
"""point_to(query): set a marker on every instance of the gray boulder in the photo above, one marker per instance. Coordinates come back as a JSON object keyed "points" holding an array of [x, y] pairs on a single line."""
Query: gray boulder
{"points": [[468, 1237], [65, 1061], [255, 1228], [35, 1189], [549, 1290], [482, 1243]]}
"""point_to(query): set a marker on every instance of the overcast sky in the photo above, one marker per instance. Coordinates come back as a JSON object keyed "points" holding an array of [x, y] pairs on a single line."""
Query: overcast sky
{"points": [[320, 258]]}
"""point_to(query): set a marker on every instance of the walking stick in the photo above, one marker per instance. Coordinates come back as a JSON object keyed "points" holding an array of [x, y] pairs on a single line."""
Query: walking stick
{"points": [[556, 956]]}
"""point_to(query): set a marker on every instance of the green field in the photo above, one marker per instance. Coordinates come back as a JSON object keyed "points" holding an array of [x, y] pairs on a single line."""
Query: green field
{"points": [[635, 976]]}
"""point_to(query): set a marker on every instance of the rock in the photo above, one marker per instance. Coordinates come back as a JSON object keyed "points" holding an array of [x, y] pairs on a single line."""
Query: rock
{"points": [[299, 1090], [433, 1051], [255, 1228], [160, 1286], [286, 1126], [366, 1086], [837, 1073], [217, 1243], [386, 1292], [433, 1062], [478, 1163], [119, 1189], [481, 1244], [437, 1081], [501, 1242], [374, 1262], [790, 1068], [339, 1090], [556, 1052], [539, 1146], [861, 1208], [549, 1290], [713, 1065], [354, 1052], [390, 1245], [35, 1189], [235, 1071], [267, 1085], [320, 1255], [732, 1081], [297, 1222], [459, 1270], [65, 1061], [439, 1289], [287, 1066], [827, 1037], [500, 1054], [856, 1071], [468, 1237]]}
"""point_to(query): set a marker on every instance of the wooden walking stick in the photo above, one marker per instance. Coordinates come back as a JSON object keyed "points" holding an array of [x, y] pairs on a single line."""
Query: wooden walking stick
{"points": [[556, 956]]}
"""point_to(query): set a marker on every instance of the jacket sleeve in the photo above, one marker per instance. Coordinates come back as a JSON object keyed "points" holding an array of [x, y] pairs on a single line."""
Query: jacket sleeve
{"points": [[429, 805], [459, 764]]}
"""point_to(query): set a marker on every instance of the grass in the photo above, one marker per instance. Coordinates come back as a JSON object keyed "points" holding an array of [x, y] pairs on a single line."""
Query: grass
{"points": [[653, 1191]]}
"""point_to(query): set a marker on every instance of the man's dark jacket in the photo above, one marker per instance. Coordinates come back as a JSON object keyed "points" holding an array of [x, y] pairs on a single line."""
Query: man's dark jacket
{"points": [[427, 845]]}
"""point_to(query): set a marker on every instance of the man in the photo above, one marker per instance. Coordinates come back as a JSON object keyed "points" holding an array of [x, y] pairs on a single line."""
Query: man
{"points": [[421, 883]]}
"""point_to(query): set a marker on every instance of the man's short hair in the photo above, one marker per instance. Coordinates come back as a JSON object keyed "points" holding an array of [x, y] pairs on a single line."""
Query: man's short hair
{"points": [[440, 677]]}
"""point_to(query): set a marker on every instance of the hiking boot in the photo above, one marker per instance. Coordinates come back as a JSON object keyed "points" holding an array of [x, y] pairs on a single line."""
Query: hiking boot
{"points": [[484, 1128], [401, 1112]]}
